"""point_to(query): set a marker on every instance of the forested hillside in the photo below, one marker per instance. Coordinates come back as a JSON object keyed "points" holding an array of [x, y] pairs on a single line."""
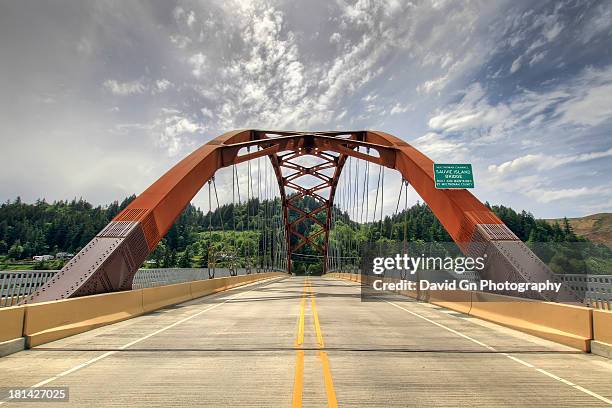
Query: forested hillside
{"points": [[66, 226]]}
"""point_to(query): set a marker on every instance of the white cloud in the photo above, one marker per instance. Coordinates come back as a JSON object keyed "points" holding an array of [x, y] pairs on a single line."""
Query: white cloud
{"points": [[473, 112], [335, 38], [581, 101], [207, 112], [590, 108], [369, 98], [191, 19], [542, 161], [172, 132], [435, 85], [162, 85], [548, 195], [598, 23], [399, 108], [438, 147], [537, 57], [552, 32], [181, 41], [516, 64], [198, 64], [124, 88]]}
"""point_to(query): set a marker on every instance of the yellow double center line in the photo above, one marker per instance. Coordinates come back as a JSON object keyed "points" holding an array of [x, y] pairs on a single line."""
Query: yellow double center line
{"points": [[298, 384]]}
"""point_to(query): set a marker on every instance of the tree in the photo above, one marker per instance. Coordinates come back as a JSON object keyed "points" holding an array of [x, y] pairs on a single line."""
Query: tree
{"points": [[185, 259], [16, 250]]}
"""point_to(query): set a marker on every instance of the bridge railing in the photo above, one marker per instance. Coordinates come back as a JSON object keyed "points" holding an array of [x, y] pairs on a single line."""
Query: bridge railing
{"points": [[15, 285], [596, 290], [18, 284]]}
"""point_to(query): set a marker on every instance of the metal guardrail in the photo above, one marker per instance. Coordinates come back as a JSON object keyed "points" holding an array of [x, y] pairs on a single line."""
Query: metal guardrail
{"points": [[148, 278], [596, 289], [15, 285]]}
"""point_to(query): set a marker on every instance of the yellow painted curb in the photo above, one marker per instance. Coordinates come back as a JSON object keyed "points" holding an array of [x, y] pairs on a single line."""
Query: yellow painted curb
{"points": [[602, 326], [11, 322], [49, 321]]}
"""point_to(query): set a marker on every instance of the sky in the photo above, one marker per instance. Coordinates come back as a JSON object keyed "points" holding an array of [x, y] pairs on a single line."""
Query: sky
{"points": [[99, 99]]}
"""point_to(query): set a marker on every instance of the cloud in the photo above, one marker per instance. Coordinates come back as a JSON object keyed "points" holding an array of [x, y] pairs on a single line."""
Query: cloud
{"points": [[191, 19], [537, 57], [590, 107], [549, 195], [124, 88], [597, 23], [542, 161], [162, 85], [581, 101], [434, 85], [472, 112], [437, 146], [198, 64], [552, 32], [369, 98], [181, 41], [399, 108], [438, 69], [516, 65], [207, 112], [172, 131]]}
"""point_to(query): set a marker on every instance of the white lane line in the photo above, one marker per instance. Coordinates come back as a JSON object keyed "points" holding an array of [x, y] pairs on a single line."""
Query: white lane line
{"points": [[515, 359], [110, 353]]}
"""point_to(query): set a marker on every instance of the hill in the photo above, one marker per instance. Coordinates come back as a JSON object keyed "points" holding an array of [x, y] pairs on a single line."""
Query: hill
{"points": [[596, 227]]}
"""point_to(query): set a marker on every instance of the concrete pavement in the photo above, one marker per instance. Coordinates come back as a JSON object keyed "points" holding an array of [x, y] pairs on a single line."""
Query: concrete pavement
{"points": [[310, 342]]}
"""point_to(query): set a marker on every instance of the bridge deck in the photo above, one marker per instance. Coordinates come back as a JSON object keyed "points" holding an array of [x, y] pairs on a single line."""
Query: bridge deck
{"points": [[241, 347]]}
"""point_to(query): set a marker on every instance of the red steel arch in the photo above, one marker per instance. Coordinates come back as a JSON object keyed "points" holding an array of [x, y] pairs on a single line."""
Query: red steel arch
{"points": [[109, 262]]}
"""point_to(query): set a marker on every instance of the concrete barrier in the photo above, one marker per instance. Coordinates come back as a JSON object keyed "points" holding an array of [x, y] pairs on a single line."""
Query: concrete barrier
{"points": [[562, 323], [162, 296], [203, 288], [458, 300], [48, 321], [11, 330], [602, 333], [12, 322], [41, 323], [565, 324]]}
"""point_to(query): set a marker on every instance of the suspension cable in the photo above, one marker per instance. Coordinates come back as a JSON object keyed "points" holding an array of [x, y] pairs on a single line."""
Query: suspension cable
{"points": [[365, 194], [219, 211], [248, 217], [382, 199], [239, 205], [375, 202], [258, 219], [211, 271], [232, 265]]}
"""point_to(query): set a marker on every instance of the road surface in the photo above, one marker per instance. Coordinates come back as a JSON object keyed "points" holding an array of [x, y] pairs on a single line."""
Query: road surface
{"points": [[311, 342]]}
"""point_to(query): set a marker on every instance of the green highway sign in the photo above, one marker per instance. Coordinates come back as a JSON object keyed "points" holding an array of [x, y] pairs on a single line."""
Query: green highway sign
{"points": [[453, 175]]}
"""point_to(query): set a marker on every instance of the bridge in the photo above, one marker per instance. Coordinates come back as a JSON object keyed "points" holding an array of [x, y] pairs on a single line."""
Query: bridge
{"points": [[250, 329]]}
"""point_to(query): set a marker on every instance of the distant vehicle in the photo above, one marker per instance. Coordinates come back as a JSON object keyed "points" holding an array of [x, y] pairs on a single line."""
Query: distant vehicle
{"points": [[42, 257], [64, 255]]}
